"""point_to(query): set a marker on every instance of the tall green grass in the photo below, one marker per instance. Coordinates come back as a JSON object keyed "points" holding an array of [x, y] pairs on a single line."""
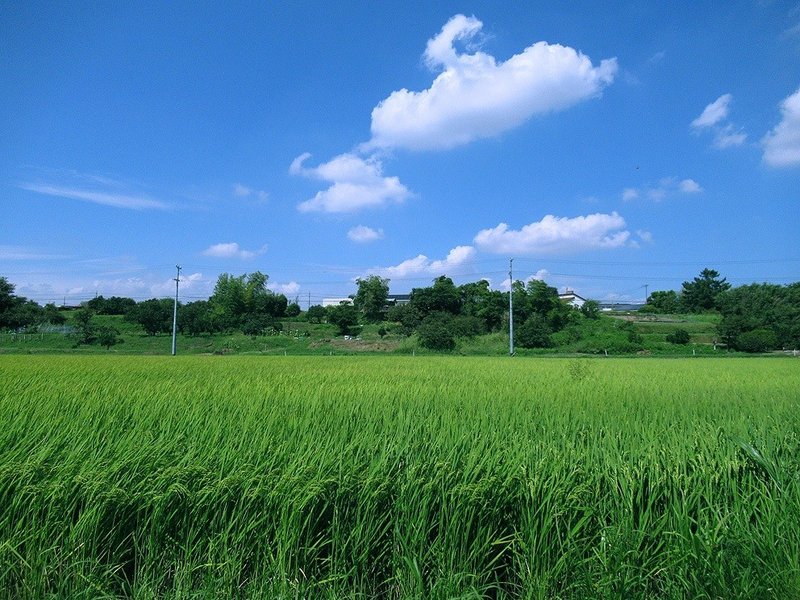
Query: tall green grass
{"points": [[398, 477]]}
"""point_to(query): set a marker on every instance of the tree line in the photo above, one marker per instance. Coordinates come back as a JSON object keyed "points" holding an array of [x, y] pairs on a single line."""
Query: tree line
{"points": [[443, 312], [754, 318]]}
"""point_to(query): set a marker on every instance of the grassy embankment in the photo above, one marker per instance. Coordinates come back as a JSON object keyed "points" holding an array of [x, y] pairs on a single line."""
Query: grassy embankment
{"points": [[378, 477], [598, 337]]}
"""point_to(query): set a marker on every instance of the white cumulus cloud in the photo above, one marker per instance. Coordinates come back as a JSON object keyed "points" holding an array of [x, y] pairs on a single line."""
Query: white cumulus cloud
{"points": [[782, 144], [287, 289], [556, 235], [455, 260], [475, 96], [363, 234], [356, 183], [232, 250], [540, 275]]}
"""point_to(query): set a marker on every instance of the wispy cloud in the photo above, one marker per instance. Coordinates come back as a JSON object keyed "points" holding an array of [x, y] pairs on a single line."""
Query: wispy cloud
{"points": [[665, 188], [782, 144], [714, 117], [106, 198], [25, 253], [232, 250], [243, 191], [475, 96]]}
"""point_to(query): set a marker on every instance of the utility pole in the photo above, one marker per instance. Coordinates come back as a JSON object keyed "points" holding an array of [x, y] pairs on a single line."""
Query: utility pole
{"points": [[309, 301], [645, 293], [175, 312], [510, 307]]}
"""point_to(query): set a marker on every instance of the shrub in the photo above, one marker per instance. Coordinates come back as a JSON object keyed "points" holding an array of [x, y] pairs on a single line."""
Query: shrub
{"points": [[679, 336], [758, 340], [534, 333], [436, 331]]}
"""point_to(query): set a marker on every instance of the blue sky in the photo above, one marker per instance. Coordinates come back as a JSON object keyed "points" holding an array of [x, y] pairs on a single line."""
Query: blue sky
{"points": [[605, 146]]}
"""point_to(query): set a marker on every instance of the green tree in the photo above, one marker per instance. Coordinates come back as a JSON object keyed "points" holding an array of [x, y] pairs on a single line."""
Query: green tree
{"points": [[665, 302], [293, 309], [370, 299], [154, 315], [315, 313], [478, 300], [7, 297], [763, 306], [229, 300], [534, 333], [408, 315], [443, 296], [757, 340], [702, 292], [679, 336], [436, 331], [258, 324], [52, 315], [591, 309], [17, 312], [196, 318], [108, 336], [345, 317], [83, 318]]}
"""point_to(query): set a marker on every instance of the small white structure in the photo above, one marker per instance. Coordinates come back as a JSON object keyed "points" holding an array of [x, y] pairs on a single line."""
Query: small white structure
{"points": [[336, 301], [572, 298]]}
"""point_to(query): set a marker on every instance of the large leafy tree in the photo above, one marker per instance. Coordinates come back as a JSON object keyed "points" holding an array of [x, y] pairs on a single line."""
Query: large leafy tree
{"points": [[237, 299], [17, 312], [665, 302], [370, 299], [7, 297], [761, 307], [154, 315], [477, 300], [443, 296], [436, 331], [344, 316], [701, 293], [196, 318]]}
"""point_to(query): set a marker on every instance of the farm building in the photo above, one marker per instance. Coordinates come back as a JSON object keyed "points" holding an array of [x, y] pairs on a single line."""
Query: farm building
{"points": [[572, 298]]}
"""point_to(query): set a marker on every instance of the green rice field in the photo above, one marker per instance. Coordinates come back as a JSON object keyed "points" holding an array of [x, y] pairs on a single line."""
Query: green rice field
{"points": [[398, 477]]}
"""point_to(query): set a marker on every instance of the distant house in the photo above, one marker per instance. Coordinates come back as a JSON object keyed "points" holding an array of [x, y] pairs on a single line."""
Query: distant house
{"points": [[571, 298], [336, 301], [620, 306], [397, 299]]}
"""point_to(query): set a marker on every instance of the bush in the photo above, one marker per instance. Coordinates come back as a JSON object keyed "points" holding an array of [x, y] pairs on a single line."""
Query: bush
{"points": [[758, 340], [436, 331], [108, 336], [679, 336], [534, 333], [258, 324]]}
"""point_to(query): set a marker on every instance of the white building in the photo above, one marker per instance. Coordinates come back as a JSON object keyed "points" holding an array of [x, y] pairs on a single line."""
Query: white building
{"points": [[572, 298]]}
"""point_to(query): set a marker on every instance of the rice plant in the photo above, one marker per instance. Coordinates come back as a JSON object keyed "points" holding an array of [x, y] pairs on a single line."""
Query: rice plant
{"points": [[398, 477]]}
